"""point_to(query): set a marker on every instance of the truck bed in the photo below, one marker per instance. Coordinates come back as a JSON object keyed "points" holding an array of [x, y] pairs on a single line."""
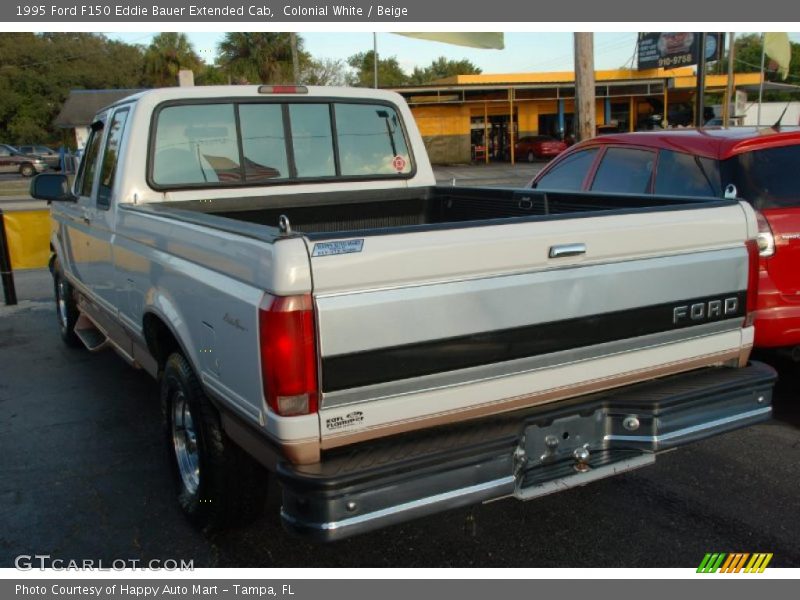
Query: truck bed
{"points": [[376, 212]]}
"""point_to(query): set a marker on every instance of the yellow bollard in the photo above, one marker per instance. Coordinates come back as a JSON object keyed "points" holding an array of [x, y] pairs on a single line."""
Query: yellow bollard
{"points": [[28, 234]]}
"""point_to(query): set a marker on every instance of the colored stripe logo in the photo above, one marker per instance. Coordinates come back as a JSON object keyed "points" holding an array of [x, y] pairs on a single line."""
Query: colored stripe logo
{"points": [[737, 562]]}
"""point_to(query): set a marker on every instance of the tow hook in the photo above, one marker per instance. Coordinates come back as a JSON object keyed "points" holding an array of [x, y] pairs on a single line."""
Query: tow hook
{"points": [[581, 456]]}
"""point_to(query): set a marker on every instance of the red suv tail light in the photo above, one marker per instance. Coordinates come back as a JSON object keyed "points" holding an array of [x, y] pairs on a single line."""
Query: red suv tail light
{"points": [[753, 256], [287, 336], [765, 238]]}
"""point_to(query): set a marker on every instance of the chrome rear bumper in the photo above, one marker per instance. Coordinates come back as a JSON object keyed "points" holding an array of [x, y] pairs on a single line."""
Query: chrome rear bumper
{"points": [[525, 454]]}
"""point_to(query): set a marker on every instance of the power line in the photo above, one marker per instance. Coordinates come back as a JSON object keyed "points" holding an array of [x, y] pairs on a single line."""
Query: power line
{"points": [[618, 42]]}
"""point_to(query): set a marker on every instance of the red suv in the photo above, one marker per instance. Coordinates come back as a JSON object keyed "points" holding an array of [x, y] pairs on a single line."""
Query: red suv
{"points": [[762, 164]]}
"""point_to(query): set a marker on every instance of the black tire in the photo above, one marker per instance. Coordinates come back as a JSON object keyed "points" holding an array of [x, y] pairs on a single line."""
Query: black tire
{"points": [[230, 487], [27, 170], [66, 308]]}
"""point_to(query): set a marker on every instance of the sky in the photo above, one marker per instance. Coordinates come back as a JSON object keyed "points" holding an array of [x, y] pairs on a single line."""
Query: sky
{"points": [[524, 52]]}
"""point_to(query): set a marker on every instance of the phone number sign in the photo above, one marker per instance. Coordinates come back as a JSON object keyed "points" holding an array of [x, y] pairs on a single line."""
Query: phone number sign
{"points": [[669, 50]]}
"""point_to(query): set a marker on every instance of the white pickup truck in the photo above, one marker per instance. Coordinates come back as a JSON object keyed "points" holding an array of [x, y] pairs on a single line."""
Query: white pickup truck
{"points": [[313, 305]]}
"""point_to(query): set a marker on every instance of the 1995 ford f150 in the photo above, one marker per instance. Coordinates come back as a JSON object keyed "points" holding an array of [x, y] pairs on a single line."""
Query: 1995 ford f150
{"points": [[315, 307]]}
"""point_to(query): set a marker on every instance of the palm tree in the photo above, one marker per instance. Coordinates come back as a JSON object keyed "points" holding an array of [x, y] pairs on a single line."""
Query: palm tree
{"points": [[260, 57], [168, 53]]}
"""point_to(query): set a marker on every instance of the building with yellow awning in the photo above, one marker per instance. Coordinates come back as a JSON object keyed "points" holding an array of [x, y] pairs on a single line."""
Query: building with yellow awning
{"points": [[474, 117]]}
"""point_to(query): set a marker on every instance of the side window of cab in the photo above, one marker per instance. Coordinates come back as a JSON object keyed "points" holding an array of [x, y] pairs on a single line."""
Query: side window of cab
{"points": [[84, 181], [108, 168]]}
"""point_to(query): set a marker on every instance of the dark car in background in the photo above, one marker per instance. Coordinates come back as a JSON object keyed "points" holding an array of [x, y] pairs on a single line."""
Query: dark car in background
{"points": [[538, 146], [758, 165], [48, 155], [14, 161]]}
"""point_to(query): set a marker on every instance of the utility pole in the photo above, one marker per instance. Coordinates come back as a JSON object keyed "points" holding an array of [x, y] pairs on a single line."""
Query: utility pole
{"points": [[295, 58], [699, 101], [584, 85], [730, 89], [375, 59]]}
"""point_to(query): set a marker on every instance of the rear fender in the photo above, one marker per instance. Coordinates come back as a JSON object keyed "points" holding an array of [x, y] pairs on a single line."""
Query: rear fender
{"points": [[160, 304]]}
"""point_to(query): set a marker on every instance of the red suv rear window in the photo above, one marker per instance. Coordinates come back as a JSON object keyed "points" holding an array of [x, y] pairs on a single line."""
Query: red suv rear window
{"points": [[766, 178]]}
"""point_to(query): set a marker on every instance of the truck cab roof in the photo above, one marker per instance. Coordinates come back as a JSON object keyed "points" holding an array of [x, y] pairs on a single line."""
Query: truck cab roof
{"points": [[158, 95]]}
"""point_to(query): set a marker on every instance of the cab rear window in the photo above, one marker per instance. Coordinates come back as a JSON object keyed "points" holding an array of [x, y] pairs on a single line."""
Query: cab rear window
{"points": [[256, 143], [766, 178]]}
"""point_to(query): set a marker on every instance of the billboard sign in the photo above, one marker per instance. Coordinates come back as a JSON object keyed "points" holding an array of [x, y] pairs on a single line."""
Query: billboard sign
{"points": [[670, 50]]}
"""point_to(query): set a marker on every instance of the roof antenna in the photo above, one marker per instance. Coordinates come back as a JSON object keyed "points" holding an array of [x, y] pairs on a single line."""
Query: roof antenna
{"points": [[777, 125]]}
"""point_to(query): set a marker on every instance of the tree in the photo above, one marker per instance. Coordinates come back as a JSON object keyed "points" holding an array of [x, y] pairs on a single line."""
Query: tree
{"points": [[168, 53], [389, 72], [324, 71], [210, 75], [441, 68], [260, 57], [38, 71]]}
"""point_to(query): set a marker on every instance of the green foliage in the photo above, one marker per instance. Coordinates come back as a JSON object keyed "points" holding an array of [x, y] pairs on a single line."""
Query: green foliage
{"points": [[325, 71], [389, 72], [441, 68], [260, 57], [38, 71], [168, 53], [210, 75]]}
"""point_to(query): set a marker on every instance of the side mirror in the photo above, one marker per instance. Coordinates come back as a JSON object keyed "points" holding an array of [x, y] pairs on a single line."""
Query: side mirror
{"points": [[52, 187]]}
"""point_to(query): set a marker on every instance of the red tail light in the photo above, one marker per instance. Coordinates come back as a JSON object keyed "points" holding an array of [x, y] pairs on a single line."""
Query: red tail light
{"points": [[288, 354], [752, 280]]}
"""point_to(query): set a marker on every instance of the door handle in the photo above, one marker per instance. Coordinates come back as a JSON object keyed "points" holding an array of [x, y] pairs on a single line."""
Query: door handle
{"points": [[563, 250]]}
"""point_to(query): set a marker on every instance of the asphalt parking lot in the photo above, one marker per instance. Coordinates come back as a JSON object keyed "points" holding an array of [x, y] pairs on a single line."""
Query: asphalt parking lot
{"points": [[83, 475]]}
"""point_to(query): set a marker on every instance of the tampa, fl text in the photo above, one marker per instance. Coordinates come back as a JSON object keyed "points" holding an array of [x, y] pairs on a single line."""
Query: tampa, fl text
{"points": [[153, 591]]}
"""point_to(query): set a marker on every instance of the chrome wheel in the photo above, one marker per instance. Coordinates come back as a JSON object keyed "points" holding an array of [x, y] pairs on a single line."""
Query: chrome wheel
{"points": [[61, 304], [184, 442]]}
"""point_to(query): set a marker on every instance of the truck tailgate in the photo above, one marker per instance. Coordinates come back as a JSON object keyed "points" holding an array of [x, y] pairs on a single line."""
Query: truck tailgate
{"points": [[427, 327]]}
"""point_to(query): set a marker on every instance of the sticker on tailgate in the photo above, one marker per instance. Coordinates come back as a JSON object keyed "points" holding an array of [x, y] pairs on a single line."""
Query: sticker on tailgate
{"points": [[353, 418], [338, 247]]}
